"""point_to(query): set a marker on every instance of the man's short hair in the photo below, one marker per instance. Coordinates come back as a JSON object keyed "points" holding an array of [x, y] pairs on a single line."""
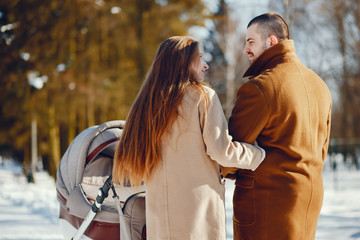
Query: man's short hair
{"points": [[271, 24]]}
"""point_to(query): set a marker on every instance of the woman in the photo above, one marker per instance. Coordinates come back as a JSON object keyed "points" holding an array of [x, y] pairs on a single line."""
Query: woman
{"points": [[176, 138]]}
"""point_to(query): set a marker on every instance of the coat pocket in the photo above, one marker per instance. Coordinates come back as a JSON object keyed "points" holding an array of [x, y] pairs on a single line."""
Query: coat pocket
{"points": [[244, 200]]}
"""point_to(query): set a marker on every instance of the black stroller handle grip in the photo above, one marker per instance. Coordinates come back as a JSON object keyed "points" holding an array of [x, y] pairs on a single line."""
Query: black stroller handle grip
{"points": [[103, 193]]}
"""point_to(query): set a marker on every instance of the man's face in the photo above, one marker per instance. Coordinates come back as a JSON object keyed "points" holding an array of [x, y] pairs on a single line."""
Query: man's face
{"points": [[255, 44]]}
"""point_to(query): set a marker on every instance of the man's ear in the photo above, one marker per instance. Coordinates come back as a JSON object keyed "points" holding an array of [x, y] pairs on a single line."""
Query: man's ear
{"points": [[273, 40]]}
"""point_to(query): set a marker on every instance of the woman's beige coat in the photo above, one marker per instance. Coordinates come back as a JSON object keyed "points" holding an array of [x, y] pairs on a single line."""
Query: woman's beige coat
{"points": [[185, 196]]}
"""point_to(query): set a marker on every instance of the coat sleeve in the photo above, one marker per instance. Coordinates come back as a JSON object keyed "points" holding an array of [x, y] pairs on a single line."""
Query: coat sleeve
{"points": [[219, 144], [249, 116]]}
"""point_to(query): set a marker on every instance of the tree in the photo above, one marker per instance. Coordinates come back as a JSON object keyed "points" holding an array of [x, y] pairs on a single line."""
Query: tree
{"points": [[227, 62], [94, 56]]}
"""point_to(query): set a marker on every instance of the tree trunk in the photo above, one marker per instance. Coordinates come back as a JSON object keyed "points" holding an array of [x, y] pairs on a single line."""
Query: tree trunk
{"points": [[72, 122], [139, 35], [54, 141]]}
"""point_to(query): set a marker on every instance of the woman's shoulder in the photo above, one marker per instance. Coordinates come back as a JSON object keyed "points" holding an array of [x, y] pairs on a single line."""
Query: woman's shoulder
{"points": [[200, 97], [209, 91], [197, 91]]}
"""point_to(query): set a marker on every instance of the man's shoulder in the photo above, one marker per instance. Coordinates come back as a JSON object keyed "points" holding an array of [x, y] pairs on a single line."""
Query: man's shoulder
{"points": [[264, 80]]}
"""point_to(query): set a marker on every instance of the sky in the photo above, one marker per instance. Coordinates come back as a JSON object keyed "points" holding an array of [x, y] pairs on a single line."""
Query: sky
{"points": [[30, 211]]}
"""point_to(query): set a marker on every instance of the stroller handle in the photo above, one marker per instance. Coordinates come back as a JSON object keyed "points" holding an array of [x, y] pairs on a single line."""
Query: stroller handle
{"points": [[103, 193]]}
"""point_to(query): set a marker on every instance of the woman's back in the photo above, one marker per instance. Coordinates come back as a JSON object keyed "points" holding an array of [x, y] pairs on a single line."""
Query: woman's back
{"points": [[185, 197]]}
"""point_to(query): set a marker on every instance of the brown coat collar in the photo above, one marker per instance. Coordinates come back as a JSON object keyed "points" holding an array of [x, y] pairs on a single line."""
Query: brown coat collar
{"points": [[267, 58]]}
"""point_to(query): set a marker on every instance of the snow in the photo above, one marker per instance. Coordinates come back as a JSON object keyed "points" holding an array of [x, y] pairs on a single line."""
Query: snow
{"points": [[27, 211], [30, 211]]}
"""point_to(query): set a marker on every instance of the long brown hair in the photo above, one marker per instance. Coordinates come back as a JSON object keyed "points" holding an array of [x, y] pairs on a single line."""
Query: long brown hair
{"points": [[155, 109]]}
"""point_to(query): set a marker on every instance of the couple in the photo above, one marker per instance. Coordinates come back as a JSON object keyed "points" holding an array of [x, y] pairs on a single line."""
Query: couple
{"points": [[176, 139]]}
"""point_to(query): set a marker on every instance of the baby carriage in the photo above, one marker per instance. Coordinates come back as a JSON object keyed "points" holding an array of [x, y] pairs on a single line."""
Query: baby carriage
{"points": [[88, 209]]}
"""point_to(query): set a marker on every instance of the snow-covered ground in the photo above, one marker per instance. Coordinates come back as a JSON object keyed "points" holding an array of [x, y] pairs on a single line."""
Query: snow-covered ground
{"points": [[27, 211], [30, 211]]}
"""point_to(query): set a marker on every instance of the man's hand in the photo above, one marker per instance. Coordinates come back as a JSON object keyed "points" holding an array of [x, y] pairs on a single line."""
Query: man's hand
{"points": [[228, 172]]}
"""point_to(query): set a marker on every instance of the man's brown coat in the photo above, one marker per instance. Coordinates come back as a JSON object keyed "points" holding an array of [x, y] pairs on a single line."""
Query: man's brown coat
{"points": [[286, 107]]}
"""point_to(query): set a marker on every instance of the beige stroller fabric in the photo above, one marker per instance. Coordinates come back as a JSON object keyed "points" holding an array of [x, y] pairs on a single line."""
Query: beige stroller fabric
{"points": [[84, 168]]}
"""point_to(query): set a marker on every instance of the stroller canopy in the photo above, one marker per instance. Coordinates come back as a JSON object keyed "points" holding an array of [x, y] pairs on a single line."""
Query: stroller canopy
{"points": [[100, 139]]}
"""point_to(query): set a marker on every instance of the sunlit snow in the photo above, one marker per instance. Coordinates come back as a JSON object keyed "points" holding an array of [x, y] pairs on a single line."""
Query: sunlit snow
{"points": [[30, 211]]}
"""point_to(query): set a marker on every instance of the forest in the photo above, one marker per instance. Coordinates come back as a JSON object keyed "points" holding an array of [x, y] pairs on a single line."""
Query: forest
{"points": [[68, 65]]}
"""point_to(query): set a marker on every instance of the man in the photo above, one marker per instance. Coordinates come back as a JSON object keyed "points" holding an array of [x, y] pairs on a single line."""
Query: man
{"points": [[286, 108]]}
